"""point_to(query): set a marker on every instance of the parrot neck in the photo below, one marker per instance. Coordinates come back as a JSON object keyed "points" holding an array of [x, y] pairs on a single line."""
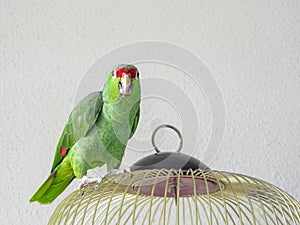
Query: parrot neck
{"points": [[119, 110], [119, 116]]}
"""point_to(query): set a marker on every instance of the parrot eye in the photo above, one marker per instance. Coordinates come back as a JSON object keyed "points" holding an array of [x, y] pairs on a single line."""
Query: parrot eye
{"points": [[114, 74]]}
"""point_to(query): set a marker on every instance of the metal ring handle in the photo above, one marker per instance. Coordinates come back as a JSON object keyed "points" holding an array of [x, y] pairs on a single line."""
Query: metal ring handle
{"points": [[167, 126]]}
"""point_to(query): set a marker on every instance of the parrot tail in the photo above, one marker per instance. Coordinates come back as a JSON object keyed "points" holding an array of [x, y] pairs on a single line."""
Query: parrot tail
{"points": [[55, 184]]}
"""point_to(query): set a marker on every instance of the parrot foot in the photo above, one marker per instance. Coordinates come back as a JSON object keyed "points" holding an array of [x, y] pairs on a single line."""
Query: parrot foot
{"points": [[85, 180], [117, 171]]}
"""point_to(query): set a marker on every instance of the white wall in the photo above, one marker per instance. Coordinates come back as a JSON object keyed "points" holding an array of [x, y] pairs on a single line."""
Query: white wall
{"points": [[250, 47]]}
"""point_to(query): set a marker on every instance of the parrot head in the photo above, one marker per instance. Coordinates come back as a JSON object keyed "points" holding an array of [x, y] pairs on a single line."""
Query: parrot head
{"points": [[123, 82]]}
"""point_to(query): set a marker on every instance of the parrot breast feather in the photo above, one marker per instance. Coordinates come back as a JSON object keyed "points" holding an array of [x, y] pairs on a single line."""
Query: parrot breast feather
{"points": [[80, 121]]}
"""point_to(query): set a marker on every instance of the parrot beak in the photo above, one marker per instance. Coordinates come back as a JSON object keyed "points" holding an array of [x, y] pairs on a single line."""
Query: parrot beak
{"points": [[126, 85]]}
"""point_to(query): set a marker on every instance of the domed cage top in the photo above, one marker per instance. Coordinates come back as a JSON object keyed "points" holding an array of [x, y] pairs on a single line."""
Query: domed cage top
{"points": [[161, 196]]}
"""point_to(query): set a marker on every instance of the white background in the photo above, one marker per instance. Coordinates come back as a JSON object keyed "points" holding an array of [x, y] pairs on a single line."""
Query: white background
{"points": [[250, 47]]}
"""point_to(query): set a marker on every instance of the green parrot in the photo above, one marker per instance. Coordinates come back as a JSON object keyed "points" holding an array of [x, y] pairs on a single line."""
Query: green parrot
{"points": [[96, 133]]}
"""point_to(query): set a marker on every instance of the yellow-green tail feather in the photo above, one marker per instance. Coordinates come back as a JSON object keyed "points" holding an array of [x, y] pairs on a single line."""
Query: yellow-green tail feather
{"points": [[55, 184]]}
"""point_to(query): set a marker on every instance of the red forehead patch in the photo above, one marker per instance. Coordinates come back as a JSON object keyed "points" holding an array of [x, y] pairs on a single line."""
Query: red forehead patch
{"points": [[119, 72]]}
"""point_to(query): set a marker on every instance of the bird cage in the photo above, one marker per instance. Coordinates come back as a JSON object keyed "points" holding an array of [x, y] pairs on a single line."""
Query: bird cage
{"points": [[174, 188]]}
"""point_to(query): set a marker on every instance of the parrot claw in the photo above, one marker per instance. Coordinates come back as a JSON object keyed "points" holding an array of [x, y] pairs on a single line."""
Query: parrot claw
{"points": [[85, 180], [117, 171]]}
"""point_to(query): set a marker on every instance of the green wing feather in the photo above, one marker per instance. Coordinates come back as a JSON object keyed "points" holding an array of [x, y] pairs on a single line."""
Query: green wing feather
{"points": [[81, 119], [135, 122]]}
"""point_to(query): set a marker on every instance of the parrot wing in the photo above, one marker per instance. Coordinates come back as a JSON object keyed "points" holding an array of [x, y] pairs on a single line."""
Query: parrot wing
{"points": [[80, 121], [135, 123]]}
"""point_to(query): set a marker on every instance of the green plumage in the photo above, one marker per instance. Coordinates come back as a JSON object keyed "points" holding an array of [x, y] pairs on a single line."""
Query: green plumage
{"points": [[96, 133]]}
